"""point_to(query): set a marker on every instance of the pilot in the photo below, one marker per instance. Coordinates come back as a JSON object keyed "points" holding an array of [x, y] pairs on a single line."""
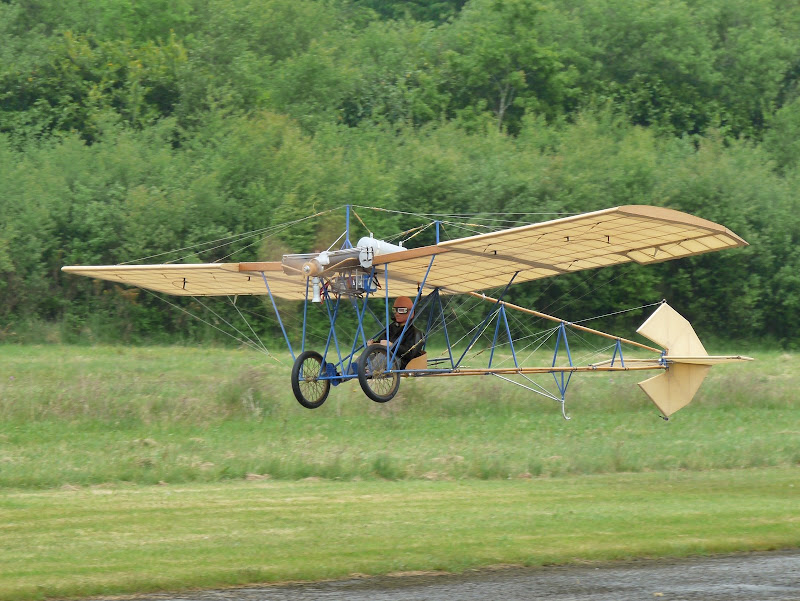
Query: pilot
{"points": [[411, 345]]}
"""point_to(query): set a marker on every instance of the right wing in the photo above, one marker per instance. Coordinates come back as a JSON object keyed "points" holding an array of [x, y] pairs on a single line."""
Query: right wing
{"points": [[200, 279]]}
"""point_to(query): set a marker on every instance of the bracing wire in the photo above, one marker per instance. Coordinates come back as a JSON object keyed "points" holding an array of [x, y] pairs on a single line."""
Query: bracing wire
{"points": [[542, 391], [467, 228], [417, 233], [594, 353], [237, 330], [259, 241], [337, 240], [279, 228], [224, 241], [244, 319], [202, 246], [618, 312], [539, 389], [462, 215], [361, 221], [576, 286], [455, 318], [494, 224], [606, 283], [244, 340], [401, 234], [541, 336], [489, 223]]}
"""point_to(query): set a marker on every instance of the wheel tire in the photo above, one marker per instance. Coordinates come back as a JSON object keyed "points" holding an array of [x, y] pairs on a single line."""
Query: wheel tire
{"points": [[376, 383], [308, 389]]}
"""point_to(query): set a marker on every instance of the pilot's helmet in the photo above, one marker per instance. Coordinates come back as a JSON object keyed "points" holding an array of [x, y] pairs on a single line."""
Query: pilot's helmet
{"points": [[402, 309]]}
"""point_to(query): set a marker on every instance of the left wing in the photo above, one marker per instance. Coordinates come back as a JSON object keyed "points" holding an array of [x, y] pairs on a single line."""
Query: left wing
{"points": [[633, 233]]}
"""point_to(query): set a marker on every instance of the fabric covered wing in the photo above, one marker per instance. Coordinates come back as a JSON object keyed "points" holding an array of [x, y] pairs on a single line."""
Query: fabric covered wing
{"points": [[641, 234], [204, 279]]}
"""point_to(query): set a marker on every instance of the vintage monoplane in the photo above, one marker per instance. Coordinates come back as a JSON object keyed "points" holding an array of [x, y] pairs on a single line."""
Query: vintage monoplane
{"points": [[427, 276]]}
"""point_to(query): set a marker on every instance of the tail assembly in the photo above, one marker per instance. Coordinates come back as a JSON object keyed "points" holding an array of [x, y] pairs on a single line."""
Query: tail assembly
{"points": [[686, 359]]}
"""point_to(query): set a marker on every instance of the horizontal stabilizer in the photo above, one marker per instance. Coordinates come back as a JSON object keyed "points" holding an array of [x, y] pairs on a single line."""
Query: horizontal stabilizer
{"points": [[708, 359]]}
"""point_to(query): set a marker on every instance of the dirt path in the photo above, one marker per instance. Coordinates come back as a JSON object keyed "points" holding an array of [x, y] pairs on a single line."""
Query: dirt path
{"points": [[752, 577]]}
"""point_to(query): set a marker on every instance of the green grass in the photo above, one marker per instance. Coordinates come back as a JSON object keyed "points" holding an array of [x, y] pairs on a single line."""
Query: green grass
{"points": [[91, 415], [117, 539], [247, 486]]}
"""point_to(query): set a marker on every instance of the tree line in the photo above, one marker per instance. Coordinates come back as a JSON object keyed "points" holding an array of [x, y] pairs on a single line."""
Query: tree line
{"points": [[131, 128]]}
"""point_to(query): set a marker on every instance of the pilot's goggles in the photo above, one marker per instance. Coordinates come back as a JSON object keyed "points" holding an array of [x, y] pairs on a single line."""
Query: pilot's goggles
{"points": [[400, 310]]}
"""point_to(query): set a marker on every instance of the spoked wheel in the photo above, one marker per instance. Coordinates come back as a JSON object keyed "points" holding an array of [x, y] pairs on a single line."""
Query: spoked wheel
{"points": [[377, 382], [308, 389]]}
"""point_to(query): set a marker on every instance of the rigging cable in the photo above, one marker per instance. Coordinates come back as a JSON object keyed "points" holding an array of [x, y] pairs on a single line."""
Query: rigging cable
{"points": [[273, 229], [244, 319], [619, 312], [361, 221], [245, 340]]}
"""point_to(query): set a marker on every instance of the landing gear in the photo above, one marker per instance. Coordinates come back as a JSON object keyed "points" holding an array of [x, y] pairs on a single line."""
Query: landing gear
{"points": [[377, 382], [309, 390]]}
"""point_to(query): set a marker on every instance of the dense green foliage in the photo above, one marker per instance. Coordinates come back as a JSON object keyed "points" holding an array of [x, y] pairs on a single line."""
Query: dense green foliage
{"points": [[128, 129]]}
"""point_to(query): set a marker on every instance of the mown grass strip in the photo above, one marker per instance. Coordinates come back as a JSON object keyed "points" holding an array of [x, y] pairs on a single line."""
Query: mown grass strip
{"points": [[108, 540]]}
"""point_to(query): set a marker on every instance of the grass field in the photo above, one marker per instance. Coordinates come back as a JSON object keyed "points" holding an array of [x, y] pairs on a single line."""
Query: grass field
{"points": [[105, 540], [453, 473], [92, 415]]}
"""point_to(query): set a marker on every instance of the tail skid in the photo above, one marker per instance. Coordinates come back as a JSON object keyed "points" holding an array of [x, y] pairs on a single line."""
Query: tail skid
{"points": [[687, 361]]}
